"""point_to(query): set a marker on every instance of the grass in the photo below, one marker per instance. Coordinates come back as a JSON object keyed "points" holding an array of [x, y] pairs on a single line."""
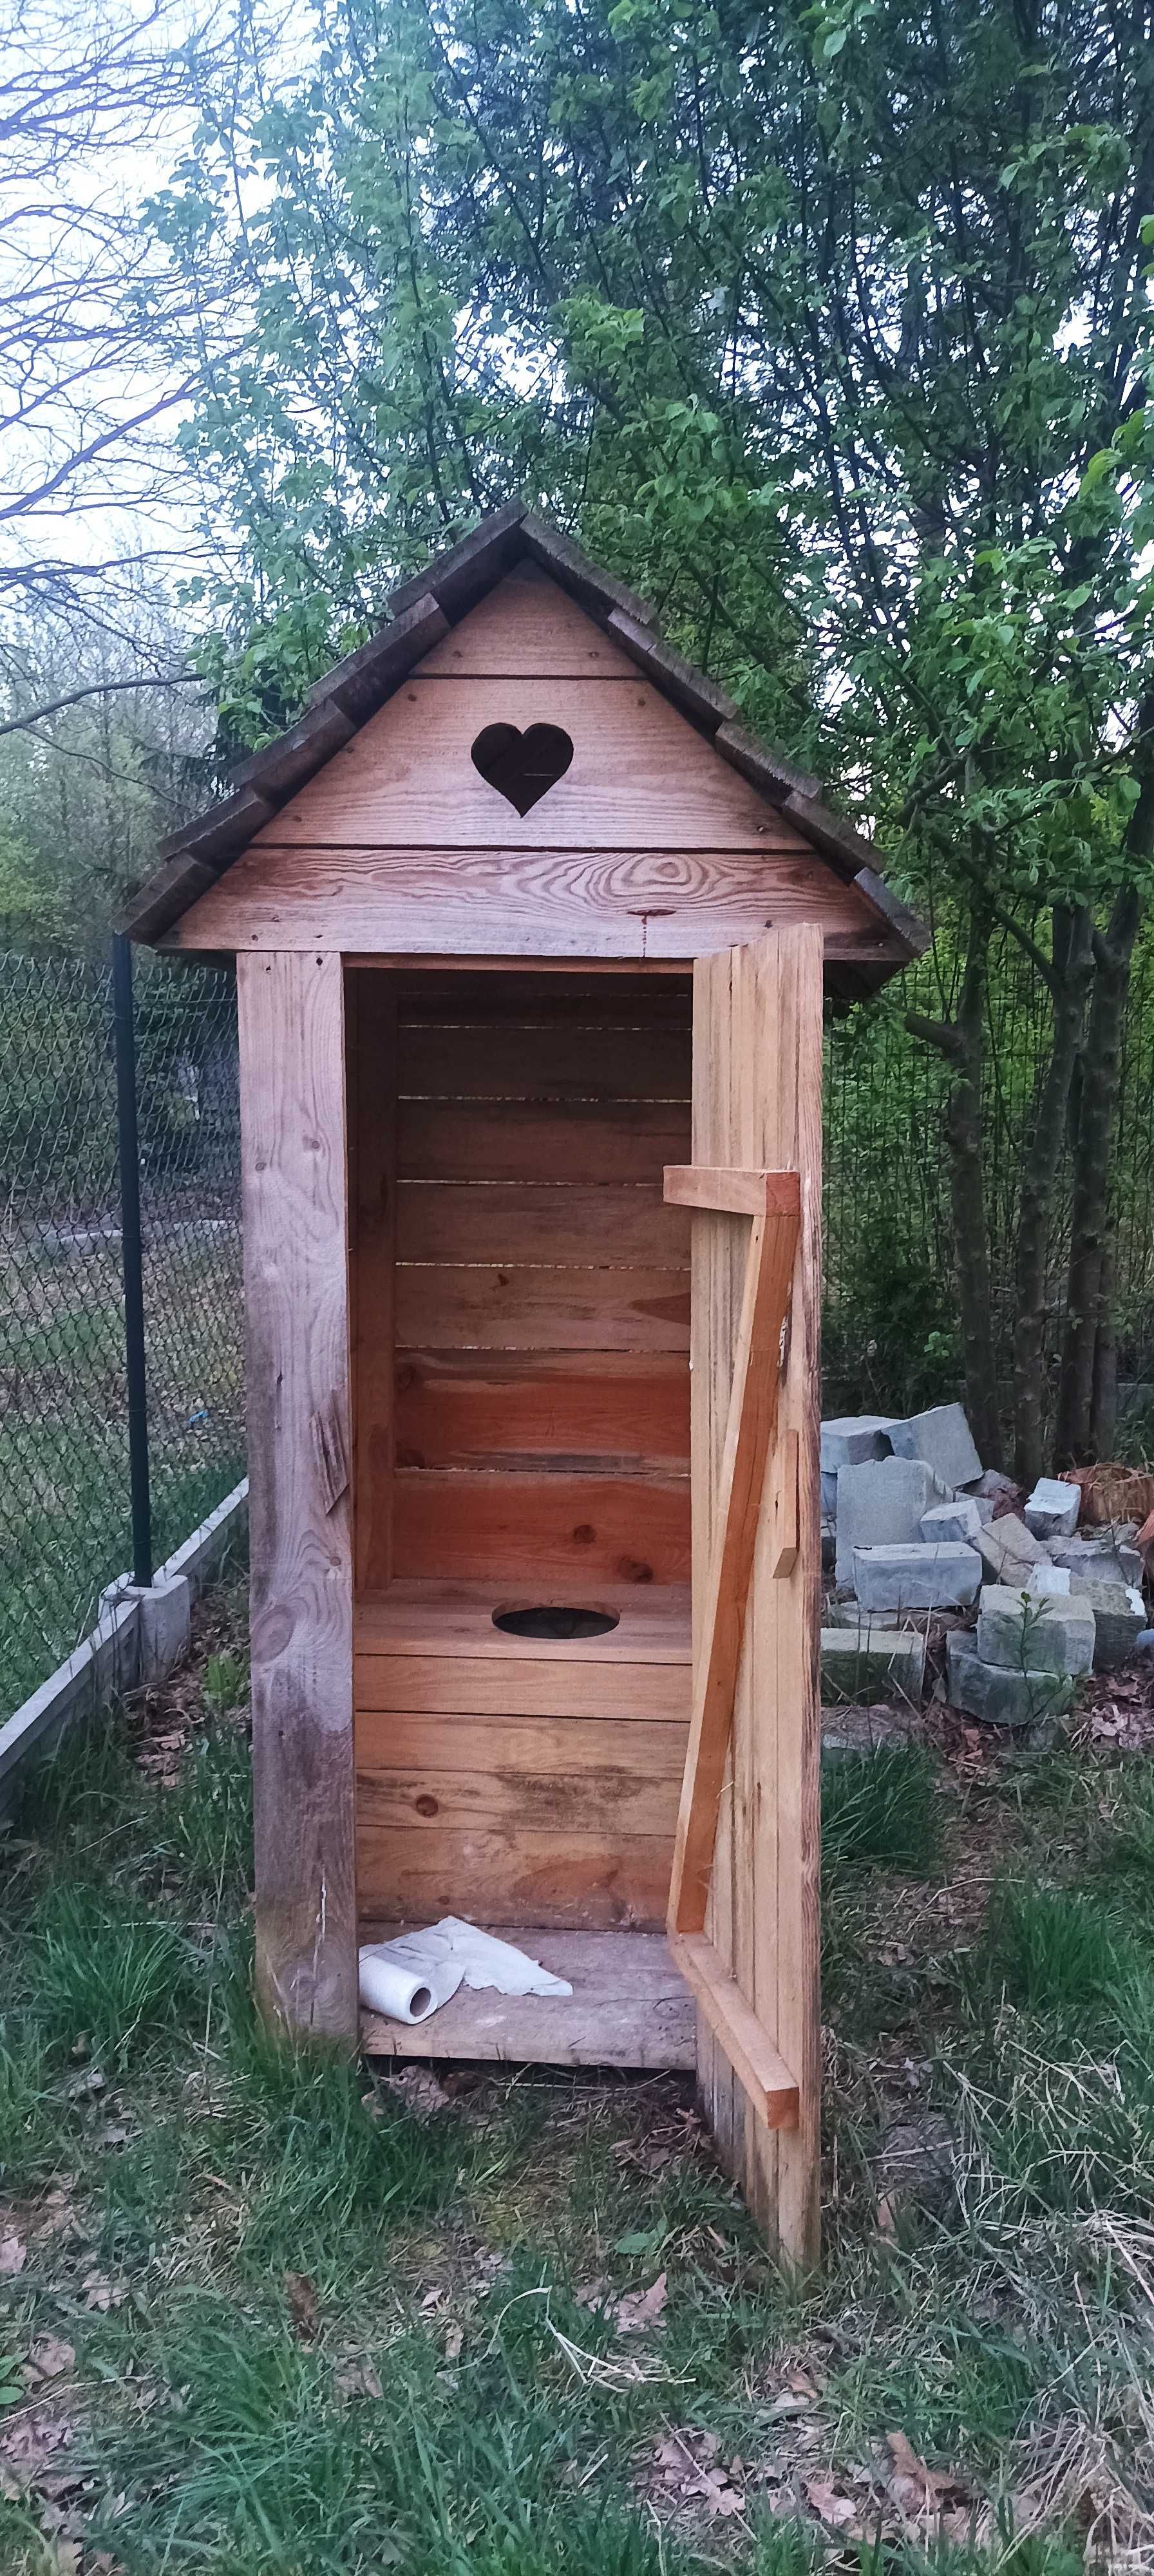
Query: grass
{"points": [[318, 2327]]}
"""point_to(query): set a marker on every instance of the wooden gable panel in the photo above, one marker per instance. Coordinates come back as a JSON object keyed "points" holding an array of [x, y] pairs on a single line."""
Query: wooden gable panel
{"points": [[528, 903], [527, 625], [640, 777]]}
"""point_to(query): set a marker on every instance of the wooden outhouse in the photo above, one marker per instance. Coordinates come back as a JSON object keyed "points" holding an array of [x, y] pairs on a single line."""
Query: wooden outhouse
{"points": [[531, 939]]}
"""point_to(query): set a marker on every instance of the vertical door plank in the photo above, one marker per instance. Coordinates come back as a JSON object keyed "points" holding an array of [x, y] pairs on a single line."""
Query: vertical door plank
{"points": [[296, 1292], [757, 1104]]}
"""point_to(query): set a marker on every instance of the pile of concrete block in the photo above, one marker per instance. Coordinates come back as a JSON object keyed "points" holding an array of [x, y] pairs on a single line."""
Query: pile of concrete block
{"points": [[910, 1531]]}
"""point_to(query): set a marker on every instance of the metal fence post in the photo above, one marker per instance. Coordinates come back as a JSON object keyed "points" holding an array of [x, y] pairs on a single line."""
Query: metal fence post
{"points": [[129, 1154]]}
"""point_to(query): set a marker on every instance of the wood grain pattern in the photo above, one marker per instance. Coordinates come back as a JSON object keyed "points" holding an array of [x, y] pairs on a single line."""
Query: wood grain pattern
{"points": [[372, 1093], [408, 1688], [296, 1290], [440, 1618], [515, 1223], [512, 1408], [490, 1527], [451, 1308], [519, 1875], [564, 1774], [640, 776], [629, 2007], [751, 1420], [757, 1095], [595, 1058], [765, 2078], [536, 902], [733, 1193], [527, 623], [515, 1140]]}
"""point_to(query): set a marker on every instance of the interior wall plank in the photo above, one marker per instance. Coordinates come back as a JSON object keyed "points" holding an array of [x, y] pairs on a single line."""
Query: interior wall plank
{"points": [[518, 1222], [515, 1140], [484, 1687], [373, 1095], [297, 1306], [512, 1408], [450, 1308], [522, 1777], [593, 1059], [515, 1875], [538, 1529]]}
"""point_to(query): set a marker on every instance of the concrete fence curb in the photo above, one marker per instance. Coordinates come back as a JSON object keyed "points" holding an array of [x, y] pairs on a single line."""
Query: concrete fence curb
{"points": [[138, 1637]]}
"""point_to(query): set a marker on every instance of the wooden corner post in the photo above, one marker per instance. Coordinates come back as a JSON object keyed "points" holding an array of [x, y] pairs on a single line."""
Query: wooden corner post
{"points": [[744, 1899], [292, 1081]]}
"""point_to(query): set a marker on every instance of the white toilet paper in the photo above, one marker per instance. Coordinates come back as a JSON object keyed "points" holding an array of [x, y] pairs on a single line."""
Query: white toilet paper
{"points": [[403, 1981], [411, 1977]]}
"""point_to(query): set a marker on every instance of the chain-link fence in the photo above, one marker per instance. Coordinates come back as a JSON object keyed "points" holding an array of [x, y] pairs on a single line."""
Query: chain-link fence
{"points": [[64, 1480]]}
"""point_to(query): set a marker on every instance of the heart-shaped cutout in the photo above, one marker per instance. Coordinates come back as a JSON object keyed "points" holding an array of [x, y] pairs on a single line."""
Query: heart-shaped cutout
{"points": [[522, 766]]}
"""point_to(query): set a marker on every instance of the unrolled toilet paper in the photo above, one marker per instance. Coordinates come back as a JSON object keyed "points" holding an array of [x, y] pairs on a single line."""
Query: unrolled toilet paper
{"points": [[411, 1977]]}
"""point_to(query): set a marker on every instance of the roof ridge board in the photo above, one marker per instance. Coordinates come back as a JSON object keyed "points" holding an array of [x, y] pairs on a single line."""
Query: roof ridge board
{"points": [[461, 575]]}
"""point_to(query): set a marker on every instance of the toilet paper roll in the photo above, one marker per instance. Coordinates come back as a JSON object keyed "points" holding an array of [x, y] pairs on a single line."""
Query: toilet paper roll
{"points": [[403, 1991]]}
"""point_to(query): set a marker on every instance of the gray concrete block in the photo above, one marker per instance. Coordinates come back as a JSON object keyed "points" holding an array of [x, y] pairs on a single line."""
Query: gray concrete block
{"points": [[853, 1439], [943, 1438], [1036, 1633], [991, 1484], [1119, 1620], [995, 1694], [1048, 1580], [165, 1623], [829, 1493], [959, 1519], [880, 1502], [917, 1577], [874, 1665], [1096, 1560], [849, 1614], [1052, 1509], [1008, 1549]]}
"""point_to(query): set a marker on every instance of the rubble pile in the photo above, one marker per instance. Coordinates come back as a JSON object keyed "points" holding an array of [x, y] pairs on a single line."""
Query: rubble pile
{"points": [[914, 1528]]}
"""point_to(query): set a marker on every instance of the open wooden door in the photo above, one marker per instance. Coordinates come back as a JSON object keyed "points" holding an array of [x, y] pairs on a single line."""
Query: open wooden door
{"points": [[744, 1904]]}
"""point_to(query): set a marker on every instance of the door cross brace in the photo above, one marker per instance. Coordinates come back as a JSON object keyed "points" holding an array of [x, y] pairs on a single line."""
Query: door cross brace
{"points": [[772, 1200]]}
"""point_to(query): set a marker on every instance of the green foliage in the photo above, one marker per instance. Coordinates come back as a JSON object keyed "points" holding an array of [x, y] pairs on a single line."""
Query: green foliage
{"points": [[880, 1810]]}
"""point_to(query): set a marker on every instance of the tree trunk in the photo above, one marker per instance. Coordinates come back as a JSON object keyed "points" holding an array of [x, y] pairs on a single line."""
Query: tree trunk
{"points": [[1073, 960], [962, 1041], [1097, 1122], [1104, 1411]]}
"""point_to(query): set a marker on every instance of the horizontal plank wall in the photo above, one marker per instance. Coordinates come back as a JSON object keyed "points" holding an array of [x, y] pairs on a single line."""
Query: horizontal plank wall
{"points": [[296, 1291], [649, 847], [548, 1284], [538, 1450], [757, 1106]]}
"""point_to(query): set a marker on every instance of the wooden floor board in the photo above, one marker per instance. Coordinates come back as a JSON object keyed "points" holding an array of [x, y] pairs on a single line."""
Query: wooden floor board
{"points": [[629, 2007]]}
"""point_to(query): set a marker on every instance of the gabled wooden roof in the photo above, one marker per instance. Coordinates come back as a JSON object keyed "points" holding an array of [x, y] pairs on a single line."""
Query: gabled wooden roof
{"points": [[425, 609]]}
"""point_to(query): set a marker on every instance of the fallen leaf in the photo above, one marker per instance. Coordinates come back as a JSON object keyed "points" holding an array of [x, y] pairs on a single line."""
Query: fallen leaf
{"points": [[359, 2379], [100, 2293], [837, 2510], [913, 2485], [639, 2310], [453, 2342], [786, 2406], [49, 2357], [13, 2257], [886, 2223], [302, 2299]]}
